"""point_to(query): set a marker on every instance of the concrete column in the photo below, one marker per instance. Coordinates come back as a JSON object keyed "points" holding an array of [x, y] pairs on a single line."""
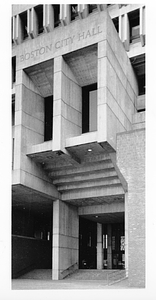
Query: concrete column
{"points": [[126, 233], [65, 239], [67, 111], [55, 244], [99, 247], [109, 248], [101, 93]]}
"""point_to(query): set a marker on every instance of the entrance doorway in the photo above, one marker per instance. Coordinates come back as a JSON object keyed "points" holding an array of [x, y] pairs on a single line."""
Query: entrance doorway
{"points": [[113, 246], [112, 241], [87, 244]]}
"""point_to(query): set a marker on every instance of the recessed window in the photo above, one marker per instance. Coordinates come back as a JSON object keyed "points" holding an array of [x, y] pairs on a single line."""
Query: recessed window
{"points": [[23, 17], [13, 110], [89, 108], [74, 11], [116, 23], [39, 13], [13, 69], [134, 23], [48, 115], [92, 7], [56, 15], [138, 64]]}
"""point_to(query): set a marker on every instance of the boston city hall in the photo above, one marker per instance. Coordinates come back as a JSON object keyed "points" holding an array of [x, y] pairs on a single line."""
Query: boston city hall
{"points": [[78, 141]]}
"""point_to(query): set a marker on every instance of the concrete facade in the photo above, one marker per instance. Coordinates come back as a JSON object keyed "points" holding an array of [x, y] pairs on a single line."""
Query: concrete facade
{"points": [[94, 174]]}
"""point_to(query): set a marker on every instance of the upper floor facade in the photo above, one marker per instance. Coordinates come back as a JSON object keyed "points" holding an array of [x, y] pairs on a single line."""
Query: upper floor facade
{"points": [[78, 81]]}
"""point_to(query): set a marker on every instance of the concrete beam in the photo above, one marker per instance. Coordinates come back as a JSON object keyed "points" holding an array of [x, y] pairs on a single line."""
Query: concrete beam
{"points": [[102, 209], [84, 185], [92, 192], [88, 177], [83, 170]]}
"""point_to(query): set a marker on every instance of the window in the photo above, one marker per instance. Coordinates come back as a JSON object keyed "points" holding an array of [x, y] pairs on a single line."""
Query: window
{"points": [[141, 83], [92, 7], [23, 17], [116, 23], [89, 108], [13, 110], [39, 13], [138, 64], [48, 114], [74, 11], [56, 15], [13, 69], [134, 23]]}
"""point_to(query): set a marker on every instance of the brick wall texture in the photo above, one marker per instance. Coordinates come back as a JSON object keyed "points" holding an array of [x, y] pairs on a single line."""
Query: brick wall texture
{"points": [[131, 161]]}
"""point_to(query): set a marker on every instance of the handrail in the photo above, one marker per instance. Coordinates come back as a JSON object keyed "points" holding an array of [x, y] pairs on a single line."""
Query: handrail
{"points": [[69, 270], [116, 275]]}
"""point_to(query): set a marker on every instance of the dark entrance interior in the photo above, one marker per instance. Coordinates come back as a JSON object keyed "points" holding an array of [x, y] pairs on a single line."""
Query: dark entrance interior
{"points": [[117, 246], [87, 244], [112, 241]]}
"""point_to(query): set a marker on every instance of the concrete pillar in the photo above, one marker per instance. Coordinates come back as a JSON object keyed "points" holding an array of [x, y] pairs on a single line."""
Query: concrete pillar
{"points": [[109, 247], [65, 239], [99, 247], [126, 233], [67, 109], [101, 93], [55, 243]]}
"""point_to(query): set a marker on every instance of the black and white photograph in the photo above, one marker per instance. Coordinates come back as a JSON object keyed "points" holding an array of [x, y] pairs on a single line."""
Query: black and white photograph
{"points": [[78, 148]]}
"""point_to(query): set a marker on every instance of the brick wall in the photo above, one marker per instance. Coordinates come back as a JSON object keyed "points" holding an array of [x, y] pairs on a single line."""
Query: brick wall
{"points": [[131, 161]]}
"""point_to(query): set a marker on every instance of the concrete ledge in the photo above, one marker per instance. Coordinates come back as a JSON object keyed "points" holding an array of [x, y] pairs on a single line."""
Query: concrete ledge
{"points": [[82, 139], [46, 146]]}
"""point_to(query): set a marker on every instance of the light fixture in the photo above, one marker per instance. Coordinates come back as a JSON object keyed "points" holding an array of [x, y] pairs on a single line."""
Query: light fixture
{"points": [[90, 150], [96, 216]]}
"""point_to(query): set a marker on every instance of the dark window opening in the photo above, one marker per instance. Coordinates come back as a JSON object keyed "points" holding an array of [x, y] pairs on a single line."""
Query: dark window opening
{"points": [[116, 23], [89, 108], [39, 13], [13, 69], [23, 17], [48, 114], [56, 15], [141, 83], [13, 110], [92, 7], [74, 11], [138, 64], [134, 23]]}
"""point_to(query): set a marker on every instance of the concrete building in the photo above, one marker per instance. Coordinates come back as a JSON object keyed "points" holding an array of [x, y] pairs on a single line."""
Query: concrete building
{"points": [[78, 139]]}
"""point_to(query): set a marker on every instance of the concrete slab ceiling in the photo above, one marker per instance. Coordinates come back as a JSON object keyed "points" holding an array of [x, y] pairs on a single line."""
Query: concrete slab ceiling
{"points": [[106, 218], [96, 200], [26, 198], [42, 76], [83, 64]]}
